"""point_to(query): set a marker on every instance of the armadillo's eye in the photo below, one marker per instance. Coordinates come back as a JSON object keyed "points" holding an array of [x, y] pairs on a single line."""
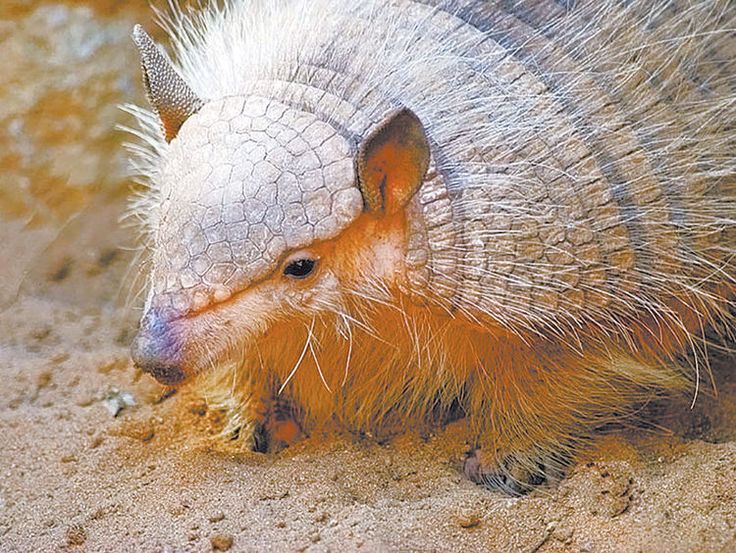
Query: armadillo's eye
{"points": [[300, 268]]}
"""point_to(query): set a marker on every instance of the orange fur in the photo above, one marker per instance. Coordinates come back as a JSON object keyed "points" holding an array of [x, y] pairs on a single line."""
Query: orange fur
{"points": [[408, 365]]}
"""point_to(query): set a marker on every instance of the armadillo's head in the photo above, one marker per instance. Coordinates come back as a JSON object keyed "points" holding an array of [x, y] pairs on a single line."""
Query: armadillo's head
{"points": [[257, 201]]}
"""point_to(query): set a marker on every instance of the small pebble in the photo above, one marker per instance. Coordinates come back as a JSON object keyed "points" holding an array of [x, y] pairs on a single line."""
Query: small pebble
{"points": [[563, 534], [85, 400], [468, 520], [139, 430], [221, 542], [217, 516], [116, 401]]}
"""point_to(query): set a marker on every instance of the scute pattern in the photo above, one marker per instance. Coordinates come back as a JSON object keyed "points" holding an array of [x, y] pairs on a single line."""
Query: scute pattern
{"points": [[582, 152], [247, 180]]}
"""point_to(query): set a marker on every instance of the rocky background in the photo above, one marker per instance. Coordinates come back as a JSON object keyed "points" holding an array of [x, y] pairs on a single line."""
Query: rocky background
{"points": [[94, 456]]}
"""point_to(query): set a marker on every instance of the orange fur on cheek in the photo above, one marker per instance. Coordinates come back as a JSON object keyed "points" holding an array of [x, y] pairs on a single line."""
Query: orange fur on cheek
{"points": [[371, 248]]}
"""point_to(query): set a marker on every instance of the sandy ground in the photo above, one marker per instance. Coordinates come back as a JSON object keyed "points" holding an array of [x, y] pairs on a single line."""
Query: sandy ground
{"points": [[73, 475], [94, 456]]}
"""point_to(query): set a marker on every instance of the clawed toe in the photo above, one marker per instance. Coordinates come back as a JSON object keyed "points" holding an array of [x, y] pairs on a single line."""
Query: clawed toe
{"points": [[513, 475], [277, 429]]}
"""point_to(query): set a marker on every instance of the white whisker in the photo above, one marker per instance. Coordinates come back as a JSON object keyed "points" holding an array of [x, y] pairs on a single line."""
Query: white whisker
{"points": [[299, 361]]}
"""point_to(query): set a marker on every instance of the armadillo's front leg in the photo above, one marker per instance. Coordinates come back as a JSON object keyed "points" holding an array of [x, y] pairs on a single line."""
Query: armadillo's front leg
{"points": [[522, 458]]}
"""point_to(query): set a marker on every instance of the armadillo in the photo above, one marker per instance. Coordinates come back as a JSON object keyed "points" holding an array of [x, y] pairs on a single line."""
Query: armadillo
{"points": [[387, 213]]}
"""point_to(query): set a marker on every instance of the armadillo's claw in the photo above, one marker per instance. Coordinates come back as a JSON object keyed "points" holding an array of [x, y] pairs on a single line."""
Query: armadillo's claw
{"points": [[512, 475]]}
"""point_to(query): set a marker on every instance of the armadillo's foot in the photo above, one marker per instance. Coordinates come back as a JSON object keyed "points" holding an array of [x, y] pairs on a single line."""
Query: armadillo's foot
{"points": [[514, 474], [277, 427], [248, 416]]}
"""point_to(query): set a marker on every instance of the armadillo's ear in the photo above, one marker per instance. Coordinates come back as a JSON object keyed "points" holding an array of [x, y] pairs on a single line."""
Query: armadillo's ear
{"points": [[169, 95], [392, 162]]}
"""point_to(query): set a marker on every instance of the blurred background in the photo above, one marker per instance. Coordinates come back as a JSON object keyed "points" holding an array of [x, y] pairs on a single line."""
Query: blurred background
{"points": [[65, 67]]}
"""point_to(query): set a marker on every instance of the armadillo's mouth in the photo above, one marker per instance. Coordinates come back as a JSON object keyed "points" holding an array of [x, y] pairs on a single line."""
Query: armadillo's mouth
{"points": [[173, 350]]}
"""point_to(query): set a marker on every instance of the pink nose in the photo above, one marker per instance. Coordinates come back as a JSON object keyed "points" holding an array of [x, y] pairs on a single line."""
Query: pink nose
{"points": [[155, 350]]}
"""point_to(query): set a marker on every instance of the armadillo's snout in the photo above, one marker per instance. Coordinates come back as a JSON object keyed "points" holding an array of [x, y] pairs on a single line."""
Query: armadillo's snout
{"points": [[155, 350]]}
